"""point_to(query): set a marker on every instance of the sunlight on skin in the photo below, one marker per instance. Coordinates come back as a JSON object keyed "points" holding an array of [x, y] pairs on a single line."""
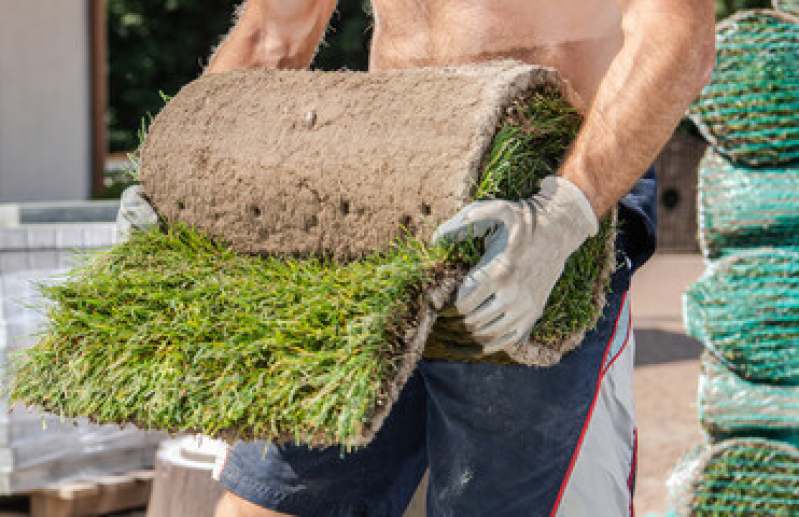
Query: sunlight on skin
{"points": [[232, 505]]}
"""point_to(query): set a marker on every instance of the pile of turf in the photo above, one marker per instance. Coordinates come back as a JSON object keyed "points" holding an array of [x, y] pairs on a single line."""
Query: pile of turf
{"points": [[171, 330], [745, 309], [752, 477], [748, 110], [733, 407], [790, 7], [744, 207]]}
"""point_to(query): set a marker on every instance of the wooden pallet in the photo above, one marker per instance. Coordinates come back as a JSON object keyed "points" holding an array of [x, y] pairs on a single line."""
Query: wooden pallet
{"points": [[94, 497]]}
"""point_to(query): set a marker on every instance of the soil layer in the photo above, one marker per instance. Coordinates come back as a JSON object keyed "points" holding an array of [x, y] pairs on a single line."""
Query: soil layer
{"points": [[340, 163]]}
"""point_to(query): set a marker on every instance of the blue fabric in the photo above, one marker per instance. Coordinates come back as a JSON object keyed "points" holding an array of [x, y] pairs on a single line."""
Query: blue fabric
{"points": [[638, 217], [498, 440]]}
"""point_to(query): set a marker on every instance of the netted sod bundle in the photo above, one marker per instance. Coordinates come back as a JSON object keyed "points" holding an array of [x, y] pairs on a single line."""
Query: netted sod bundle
{"points": [[748, 111], [730, 406], [751, 477], [788, 6], [745, 309], [744, 207], [174, 330]]}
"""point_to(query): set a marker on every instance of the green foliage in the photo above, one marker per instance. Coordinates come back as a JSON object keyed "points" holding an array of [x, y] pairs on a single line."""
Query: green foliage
{"points": [[171, 330], [725, 8], [160, 45], [156, 45], [346, 43]]}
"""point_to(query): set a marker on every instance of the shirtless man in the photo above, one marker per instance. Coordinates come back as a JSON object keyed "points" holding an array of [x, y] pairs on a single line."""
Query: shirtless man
{"points": [[503, 440]]}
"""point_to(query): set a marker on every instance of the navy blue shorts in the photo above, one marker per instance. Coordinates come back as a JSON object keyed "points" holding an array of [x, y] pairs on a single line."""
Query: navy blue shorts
{"points": [[498, 440]]}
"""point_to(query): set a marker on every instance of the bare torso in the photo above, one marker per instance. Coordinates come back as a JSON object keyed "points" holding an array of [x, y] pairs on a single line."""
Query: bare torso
{"points": [[577, 37]]}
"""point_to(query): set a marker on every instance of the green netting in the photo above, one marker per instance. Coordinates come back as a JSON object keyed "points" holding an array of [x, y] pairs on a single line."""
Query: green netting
{"points": [[730, 406], [787, 6], [748, 111], [744, 207], [745, 308], [752, 477]]}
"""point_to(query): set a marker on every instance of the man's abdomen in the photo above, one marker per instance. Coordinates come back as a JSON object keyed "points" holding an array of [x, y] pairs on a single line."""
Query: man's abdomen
{"points": [[577, 37]]}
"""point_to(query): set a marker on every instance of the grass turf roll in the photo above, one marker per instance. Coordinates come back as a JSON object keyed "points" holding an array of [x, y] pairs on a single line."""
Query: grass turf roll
{"points": [[745, 309], [790, 7], [747, 111], [733, 407], [744, 207], [176, 329], [751, 477]]}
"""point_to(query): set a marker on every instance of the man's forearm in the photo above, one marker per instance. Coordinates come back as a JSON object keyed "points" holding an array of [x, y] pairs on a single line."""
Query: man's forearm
{"points": [[666, 58], [274, 34]]}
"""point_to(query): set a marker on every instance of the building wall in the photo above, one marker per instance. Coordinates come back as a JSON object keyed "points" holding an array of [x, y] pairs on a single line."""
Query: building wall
{"points": [[45, 135]]}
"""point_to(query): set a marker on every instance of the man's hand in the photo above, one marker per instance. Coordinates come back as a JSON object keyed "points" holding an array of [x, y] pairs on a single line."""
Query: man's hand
{"points": [[135, 212], [527, 244]]}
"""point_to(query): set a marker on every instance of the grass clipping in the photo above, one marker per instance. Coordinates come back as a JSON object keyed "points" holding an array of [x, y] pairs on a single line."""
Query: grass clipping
{"points": [[173, 331]]}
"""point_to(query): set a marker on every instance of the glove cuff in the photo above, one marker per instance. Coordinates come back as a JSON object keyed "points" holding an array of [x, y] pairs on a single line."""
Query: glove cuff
{"points": [[565, 195]]}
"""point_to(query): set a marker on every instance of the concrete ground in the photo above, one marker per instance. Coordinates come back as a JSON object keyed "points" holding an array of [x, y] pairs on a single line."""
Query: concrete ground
{"points": [[666, 375]]}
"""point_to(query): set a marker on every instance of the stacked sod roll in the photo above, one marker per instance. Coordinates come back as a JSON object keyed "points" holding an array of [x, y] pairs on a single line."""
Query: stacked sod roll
{"points": [[752, 476], [730, 406], [789, 7], [742, 207], [291, 289], [745, 307], [748, 110]]}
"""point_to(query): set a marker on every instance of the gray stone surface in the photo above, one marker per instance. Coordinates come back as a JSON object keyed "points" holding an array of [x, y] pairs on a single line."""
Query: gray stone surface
{"points": [[67, 237], [66, 212]]}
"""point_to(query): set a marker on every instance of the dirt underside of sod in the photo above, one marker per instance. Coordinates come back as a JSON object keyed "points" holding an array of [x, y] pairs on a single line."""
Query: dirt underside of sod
{"points": [[175, 330]]}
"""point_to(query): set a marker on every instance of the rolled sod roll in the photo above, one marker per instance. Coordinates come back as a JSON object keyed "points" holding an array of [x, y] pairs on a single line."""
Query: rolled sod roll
{"points": [[730, 406], [292, 288], [336, 163], [749, 477], [748, 110], [744, 207], [344, 164], [745, 308]]}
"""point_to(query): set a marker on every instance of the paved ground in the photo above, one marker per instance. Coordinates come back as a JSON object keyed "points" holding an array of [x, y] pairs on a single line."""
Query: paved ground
{"points": [[666, 375]]}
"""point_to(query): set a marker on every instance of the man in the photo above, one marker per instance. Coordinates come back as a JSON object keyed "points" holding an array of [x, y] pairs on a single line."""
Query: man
{"points": [[503, 440]]}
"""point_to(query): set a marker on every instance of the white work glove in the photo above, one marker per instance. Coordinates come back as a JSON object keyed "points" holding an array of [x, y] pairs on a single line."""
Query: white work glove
{"points": [[135, 212], [527, 243]]}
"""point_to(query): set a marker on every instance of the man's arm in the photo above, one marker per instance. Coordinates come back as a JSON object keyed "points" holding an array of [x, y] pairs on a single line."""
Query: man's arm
{"points": [[274, 34], [666, 59]]}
